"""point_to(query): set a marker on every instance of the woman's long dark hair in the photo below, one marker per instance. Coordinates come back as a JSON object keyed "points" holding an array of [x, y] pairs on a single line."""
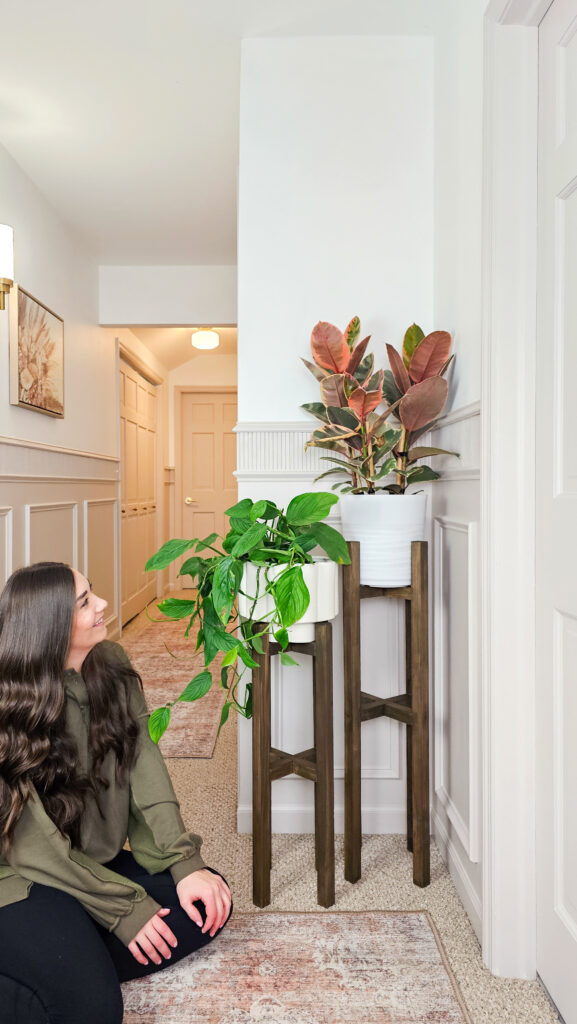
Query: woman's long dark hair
{"points": [[36, 616]]}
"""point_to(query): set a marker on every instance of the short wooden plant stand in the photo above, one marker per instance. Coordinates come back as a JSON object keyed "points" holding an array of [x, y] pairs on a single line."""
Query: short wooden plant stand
{"points": [[411, 708], [315, 764]]}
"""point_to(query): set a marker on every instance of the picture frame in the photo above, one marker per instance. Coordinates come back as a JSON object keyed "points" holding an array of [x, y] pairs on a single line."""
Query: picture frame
{"points": [[36, 355]]}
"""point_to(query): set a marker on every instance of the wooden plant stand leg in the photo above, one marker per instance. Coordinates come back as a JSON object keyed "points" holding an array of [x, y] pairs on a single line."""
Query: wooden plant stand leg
{"points": [[261, 780], [351, 575], [408, 730], [324, 782], [420, 726]]}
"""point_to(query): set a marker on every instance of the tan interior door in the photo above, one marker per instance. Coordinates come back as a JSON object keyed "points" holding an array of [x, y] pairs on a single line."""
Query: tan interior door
{"points": [[207, 460], [138, 413]]}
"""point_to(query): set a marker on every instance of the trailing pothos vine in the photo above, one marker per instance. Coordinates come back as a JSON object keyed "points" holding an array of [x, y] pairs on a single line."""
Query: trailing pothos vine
{"points": [[269, 538]]}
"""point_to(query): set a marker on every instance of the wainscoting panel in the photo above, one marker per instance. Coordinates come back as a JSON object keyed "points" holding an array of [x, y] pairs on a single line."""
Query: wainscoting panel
{"points": [[61, 505]]}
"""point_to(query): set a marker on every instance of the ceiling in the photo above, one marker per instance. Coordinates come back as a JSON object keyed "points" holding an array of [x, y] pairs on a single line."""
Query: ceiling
{"points": [[173, 347], [125, 113]]}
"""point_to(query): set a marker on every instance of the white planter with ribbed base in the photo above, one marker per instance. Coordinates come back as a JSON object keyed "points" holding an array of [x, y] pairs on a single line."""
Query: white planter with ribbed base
{"points": [[322, 580], [385, 525]]}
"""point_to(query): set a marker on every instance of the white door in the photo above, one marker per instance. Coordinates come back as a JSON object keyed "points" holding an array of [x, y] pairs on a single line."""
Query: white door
{"points": [[138, 478], [556, 510]]}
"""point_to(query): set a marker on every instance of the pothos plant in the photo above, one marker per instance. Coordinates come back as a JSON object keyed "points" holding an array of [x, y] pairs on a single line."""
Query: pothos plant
{"points": [[369, 452], [278, 543]]}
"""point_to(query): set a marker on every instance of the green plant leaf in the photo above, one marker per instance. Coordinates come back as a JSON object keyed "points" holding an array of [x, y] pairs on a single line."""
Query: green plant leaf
{"points": [[343, 417], [258, 510], [224, 678], [192, 566], [206, 541], [215, 637], [385, 469], [291, 594], [420, 473], [352, 331], [168, 552], [309, 508], [197, 687], [413, 337], [250, 539], [391, 392], [229, 658], [246, 657], [364, 369], [331, 541], [224, 715], [158, 723], [282, 638], [225, 584], [256, 642], [316, 409], [175, 608], [287, 660], [424, 452], [242, 508], [248, 702]]}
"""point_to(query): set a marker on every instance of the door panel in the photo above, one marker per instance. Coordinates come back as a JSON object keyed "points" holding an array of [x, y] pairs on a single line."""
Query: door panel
{"points": [[138, 471], [207, 461], [556, 509]]}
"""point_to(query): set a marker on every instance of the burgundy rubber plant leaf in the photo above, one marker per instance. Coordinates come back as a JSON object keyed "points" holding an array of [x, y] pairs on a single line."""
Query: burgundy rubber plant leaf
{"points": [[430, 356], [400, 375], [423, 402], [363, 402], [329, 348], [333, 390], [357, 354], [315, 370]]}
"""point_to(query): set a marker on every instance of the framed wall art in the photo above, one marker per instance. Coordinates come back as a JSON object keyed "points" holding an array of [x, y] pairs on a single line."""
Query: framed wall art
{"points": [[36, 355]]}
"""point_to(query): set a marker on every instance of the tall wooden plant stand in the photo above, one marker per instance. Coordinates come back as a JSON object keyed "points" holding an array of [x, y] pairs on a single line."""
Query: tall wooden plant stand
{"points": [[315, 764], [411, 708]]}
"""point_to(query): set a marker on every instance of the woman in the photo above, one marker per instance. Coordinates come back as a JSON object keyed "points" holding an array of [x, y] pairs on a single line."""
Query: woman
{"points": [[78, 776]]}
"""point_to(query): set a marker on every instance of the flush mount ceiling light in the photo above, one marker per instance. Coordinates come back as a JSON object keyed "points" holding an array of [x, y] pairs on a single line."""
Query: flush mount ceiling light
{"points": [[6, 261], [205, 338]]}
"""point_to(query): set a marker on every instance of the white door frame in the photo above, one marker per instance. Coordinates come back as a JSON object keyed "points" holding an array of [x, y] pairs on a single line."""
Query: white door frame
{"points": [[508, 483]]}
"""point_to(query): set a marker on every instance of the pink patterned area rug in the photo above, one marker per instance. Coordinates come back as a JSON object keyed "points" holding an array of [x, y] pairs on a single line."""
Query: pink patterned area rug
{"points": [[193, 727], [379, 967]]}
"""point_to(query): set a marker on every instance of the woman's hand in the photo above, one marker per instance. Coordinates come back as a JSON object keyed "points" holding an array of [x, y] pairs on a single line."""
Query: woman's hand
{"points": [[211, 890], [155, 938]]}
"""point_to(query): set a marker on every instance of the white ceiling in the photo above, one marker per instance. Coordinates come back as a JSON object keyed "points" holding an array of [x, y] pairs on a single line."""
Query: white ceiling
{"points": [[125, 112], [172, 345]]}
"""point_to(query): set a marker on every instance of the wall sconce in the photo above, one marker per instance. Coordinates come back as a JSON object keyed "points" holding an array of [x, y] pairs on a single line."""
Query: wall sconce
{"points": [[6, 261], [205, 338]]}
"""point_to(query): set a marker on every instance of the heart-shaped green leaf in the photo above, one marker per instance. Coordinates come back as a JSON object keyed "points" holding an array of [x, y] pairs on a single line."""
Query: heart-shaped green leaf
{"points": [[309, 508], [225, 584], [168, 552], [291, 594], [197, 687], [158, 723], [250, 539], [331, 541], [287, 660], [175, 608]]}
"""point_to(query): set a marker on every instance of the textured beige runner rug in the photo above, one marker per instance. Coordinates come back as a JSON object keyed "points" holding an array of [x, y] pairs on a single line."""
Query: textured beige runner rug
{"points": [[193, 727], [379, 967]]}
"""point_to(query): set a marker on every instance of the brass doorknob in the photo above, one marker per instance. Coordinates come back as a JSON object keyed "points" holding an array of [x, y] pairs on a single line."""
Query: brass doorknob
{"points": [[191, 501]]}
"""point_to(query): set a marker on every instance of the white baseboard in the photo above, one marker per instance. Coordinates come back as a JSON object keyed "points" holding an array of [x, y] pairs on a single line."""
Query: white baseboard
{"points": [[298, 820], [469, 898]]}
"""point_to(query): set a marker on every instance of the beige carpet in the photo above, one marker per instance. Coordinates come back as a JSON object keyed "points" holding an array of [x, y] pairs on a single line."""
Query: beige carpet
{"points": [[164, 658], [385, 967]]}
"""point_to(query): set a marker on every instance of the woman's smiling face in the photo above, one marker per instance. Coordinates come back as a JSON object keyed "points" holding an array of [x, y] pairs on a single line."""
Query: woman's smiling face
{"points": [[88, 627]]}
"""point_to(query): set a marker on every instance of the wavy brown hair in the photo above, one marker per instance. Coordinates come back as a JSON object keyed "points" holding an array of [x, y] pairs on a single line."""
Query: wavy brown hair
{"points": [[36, 616]]}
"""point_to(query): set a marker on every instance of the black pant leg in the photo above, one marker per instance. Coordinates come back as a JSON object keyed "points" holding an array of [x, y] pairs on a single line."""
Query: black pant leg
{"points": [[162, 888], [54, 967]]}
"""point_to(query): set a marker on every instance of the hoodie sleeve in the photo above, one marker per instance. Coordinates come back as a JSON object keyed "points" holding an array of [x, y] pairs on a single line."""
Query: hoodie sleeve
{"points": [[41, 853], [158, 838]]}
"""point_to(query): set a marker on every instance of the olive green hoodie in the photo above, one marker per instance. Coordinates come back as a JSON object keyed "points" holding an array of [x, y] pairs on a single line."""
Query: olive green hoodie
{"points": [[145, 811]]}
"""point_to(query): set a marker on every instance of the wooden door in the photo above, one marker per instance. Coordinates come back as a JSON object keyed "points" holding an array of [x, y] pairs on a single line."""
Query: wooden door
{"points": [[138, 414], [556, 510], [206, 485]]}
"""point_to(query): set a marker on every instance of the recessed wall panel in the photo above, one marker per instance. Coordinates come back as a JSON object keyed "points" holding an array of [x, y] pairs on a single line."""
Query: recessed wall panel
{"points": [[52, 533], [100, 538]]}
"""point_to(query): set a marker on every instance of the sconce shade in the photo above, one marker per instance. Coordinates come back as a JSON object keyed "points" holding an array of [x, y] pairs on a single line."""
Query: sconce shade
{"points": [[205, 339], [6, 261]]}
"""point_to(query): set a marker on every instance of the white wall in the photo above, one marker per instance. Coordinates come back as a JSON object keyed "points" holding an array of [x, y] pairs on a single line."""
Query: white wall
{"points": [[335, 203], [335, 219], [168, 295], [52, 263]]}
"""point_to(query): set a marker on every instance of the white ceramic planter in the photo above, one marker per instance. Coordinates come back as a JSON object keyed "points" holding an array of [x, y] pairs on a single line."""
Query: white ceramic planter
{"points": [[322, 580], [385, 524]]}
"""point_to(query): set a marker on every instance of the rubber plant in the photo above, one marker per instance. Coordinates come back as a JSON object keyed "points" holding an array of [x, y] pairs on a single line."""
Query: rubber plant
{"points": [[269, 537], [366, 449]]}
